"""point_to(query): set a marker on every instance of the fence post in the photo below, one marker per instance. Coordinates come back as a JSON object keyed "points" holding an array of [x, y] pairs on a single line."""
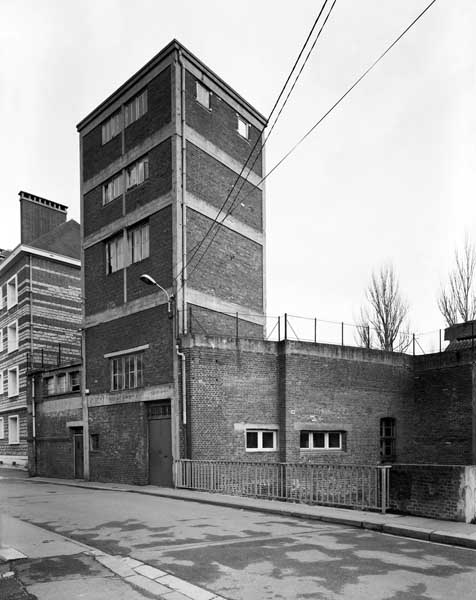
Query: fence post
{"points": [[413, 341], [237, 331], [285, 326], [342, 332], [384, 488], [279, 329], [368, 336], [315, 331]]}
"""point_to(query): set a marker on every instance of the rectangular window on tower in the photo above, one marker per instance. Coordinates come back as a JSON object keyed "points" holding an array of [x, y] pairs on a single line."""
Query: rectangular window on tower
{"points": [[112, 189], [138, 238], [136, 108], [114, 254], [137, 173]]}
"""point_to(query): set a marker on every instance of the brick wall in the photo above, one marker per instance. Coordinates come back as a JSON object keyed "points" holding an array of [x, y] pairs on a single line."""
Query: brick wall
{"points": [[151, 326], [219, 125], [232, 268], [298, 387], [441, 414], [210, 322], [97, 215], [227, 387], [211, 181], [97, 156], [438, 491], [103, 291], [123, 446]]}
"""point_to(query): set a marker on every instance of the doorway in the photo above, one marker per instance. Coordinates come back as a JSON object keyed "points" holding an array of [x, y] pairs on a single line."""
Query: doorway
{"points": [[78, 451], [160, 443]]}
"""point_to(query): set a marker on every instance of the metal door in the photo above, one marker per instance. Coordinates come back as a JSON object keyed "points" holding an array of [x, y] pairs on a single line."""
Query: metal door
{"points": [[78, 456], [160, 444]]}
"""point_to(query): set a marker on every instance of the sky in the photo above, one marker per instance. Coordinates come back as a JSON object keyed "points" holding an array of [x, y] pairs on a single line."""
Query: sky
{"points": [[388, 176]]}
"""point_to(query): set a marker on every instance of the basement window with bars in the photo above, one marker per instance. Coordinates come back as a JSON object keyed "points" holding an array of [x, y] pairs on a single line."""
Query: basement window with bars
{"points": [[127, 372], [321, 440], [387, 439], [261, 440]]}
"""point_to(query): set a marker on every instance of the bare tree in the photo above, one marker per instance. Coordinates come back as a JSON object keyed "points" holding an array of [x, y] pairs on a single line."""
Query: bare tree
{"points": [[385, 313], [457, 300]]}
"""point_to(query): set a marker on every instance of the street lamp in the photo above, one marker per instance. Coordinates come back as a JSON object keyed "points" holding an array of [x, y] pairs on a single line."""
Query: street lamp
{"points": [[151, 281]]}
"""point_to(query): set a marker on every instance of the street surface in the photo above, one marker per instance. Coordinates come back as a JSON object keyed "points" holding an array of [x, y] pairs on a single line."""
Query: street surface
{"points": [[236, 554]]}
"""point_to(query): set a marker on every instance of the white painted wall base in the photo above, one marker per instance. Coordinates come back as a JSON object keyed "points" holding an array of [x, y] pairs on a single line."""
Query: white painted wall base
{"points": [[18, 462]]}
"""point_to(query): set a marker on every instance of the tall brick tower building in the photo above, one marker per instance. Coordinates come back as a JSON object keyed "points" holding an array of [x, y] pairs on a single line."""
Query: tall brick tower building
{"points": [[158, 158]]}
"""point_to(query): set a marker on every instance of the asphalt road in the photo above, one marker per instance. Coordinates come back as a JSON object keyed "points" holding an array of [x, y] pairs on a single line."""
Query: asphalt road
{"points": [[241, 554]]}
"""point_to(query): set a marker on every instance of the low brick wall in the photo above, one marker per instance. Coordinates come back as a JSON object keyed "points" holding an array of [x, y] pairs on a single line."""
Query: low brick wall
{"points": [[437, 491]]}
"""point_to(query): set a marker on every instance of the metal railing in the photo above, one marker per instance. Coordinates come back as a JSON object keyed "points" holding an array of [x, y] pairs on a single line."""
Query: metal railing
{"points": [[307, 329], [363, 487]]}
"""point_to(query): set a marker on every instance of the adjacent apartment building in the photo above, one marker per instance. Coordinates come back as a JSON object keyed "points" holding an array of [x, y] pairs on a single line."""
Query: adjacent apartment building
{"points": [[158, 158], [40, 312]]}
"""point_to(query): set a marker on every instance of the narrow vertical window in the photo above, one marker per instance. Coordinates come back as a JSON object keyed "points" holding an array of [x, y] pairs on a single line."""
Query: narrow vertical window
{"points": [[111, 128], [12, 292], [114, 254], [137, 173], [388, 450], [243, 128], [202, 95], [13, 430], [138, 238], [112, 189], [136, 108]]}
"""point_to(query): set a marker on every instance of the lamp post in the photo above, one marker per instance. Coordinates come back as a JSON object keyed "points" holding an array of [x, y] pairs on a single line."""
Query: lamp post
{"points": [[148, 280], [151, 281]]}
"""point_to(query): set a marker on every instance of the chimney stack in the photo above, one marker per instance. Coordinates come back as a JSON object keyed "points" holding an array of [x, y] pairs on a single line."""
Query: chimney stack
{"points": [[39, 216]]}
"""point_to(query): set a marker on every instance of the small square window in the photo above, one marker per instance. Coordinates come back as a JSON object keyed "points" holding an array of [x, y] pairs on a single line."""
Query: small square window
{"points": [[94, 441], [203, 95], [243, 128], [261, 440]]}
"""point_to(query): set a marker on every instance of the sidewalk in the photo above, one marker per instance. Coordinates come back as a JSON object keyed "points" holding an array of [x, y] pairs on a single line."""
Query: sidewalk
{"points": [[433, 530]]}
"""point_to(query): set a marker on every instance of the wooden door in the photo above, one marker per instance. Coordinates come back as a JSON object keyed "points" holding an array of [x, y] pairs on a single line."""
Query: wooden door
{"points": [[78, 456], [160, 444]]}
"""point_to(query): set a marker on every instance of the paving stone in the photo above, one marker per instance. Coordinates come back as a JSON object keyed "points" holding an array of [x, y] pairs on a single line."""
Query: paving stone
{"points": [[175, 596], [190, 590], [144, 583], [10, 554], [150, 572], [116, 564]]}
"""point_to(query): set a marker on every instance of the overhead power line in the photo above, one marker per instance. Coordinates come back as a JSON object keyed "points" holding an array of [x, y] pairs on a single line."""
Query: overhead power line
{"points": [[321, 119], [249, 169]]}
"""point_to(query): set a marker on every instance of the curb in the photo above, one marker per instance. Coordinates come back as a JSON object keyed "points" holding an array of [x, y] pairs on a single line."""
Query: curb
{"points": [[418, 533]]}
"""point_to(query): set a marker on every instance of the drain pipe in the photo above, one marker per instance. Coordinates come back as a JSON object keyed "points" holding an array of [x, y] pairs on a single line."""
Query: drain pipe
{"points": [[184, 400]]}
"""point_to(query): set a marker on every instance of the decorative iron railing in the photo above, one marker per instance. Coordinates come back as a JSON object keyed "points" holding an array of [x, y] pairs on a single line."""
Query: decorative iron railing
{"points": [[363, 487]]}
